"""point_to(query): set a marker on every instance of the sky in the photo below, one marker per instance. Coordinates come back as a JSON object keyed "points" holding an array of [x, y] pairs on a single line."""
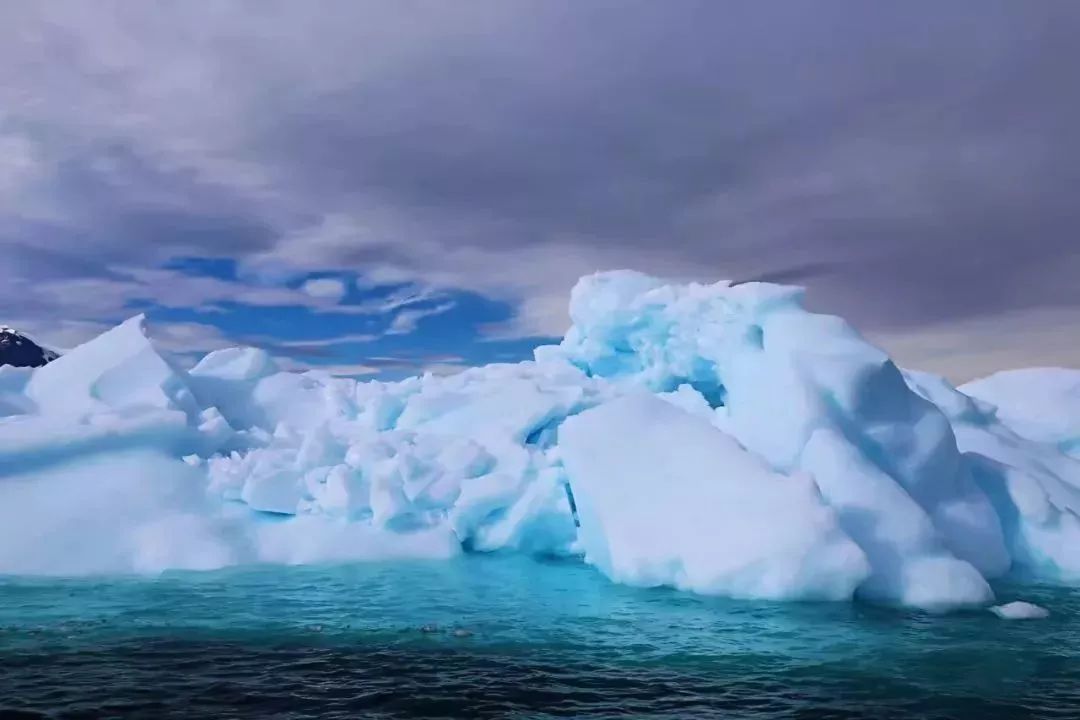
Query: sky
{"points": [[382, 188]]}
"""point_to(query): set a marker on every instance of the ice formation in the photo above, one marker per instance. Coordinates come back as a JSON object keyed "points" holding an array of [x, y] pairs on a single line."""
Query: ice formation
{"points": [[1020, 610], [714, 438], [1039, 403]]}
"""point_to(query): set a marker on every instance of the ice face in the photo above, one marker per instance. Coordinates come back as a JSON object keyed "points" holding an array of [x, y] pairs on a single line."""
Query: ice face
{"points": [[1039, 403], [665, 498], [807, 393], [117, 371], [1034, 487], [113, 511], [713, 438]]}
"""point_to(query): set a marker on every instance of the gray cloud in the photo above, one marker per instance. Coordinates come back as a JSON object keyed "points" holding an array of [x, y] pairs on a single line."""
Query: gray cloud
{"points": [[912, 163]]}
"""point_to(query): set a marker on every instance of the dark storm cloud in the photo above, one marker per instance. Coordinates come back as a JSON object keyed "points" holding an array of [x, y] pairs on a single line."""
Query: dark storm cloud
{"points": [[927, 149], [911, 162], [793, 275]]}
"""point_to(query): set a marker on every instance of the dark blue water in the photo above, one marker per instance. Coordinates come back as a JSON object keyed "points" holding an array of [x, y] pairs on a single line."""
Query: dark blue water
{"points": [[511, 637]]}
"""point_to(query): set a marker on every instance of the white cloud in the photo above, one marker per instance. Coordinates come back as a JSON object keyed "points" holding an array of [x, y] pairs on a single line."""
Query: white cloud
{"points": [[974, 348], [67, 308], [315, 246], [443, 369], [184, 89], [392, 166], [325, 288], [175, 337], [187, 338], [323, 342], [20, 163], [406, 321], [338, 370], [61, 335]]}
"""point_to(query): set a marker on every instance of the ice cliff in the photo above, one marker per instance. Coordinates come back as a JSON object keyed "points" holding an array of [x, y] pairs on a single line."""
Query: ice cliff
{"points": [[714, 438]]}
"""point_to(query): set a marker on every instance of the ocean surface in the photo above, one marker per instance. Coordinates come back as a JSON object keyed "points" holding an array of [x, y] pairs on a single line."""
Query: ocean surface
{"points": [[500, 636]]}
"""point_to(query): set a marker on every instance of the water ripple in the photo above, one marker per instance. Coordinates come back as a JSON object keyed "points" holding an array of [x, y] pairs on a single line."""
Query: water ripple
{"points": [[534, 640]]}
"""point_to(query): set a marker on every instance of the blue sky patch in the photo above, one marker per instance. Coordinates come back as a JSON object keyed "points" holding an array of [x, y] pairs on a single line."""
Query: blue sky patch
{"points": [[394, 330]]}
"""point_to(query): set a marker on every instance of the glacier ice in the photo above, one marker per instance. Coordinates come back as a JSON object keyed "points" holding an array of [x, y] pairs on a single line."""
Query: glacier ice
{"points": [[665, 497], [1039, 403], [713, 438], [118, 369], [1033, 485], [113, 511]]}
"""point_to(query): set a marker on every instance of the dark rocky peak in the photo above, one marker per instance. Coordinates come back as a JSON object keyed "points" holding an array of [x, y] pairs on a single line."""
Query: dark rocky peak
{"points": [[18, 350]]}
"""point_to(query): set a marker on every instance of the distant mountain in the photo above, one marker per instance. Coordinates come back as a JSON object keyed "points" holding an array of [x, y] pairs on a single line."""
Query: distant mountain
{"points": [[18, 350]]}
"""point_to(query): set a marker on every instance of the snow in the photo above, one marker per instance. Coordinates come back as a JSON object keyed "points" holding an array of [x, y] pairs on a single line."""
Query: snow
{"points": [[718, 439], [1020, 610]]}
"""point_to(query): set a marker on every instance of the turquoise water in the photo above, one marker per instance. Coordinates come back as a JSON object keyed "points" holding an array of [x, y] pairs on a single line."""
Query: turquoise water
{"points": [[493, 636]]}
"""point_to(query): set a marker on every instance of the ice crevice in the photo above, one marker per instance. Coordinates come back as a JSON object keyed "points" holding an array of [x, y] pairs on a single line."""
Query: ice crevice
{"points": [[714, 438]]}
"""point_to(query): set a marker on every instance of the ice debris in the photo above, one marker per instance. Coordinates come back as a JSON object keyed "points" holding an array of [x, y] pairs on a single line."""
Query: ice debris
{"points": [[1020, 610], [714, 438]]}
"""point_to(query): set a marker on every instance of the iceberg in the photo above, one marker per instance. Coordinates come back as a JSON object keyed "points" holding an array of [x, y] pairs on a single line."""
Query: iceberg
{"points": [[119, 369], [714, 438], [665, 497], [1039, 403], [115, 510], [1033, 485]]}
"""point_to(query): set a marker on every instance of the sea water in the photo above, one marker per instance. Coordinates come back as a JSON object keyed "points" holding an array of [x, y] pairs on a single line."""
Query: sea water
{"points": [[508, 636]]}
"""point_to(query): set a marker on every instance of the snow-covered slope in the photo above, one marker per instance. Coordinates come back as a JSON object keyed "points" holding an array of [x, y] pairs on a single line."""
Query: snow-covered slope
{"points": [[17, 350], [714, 438]]}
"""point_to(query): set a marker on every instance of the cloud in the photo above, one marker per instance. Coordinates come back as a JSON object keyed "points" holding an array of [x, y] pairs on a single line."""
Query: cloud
{"points": [[60, 335], [795, 274], [320, 342], [406, 321], [53, 304], [376, 365], [326, 288], [911, 172], [351, 370], [394, 300], [980, 346], [413, 362], [443, 369], [187, 337], [179, 337], [19, 164]]}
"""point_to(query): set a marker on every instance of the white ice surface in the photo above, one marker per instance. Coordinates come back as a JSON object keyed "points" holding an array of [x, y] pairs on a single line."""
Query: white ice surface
{"points": [[665, 498], [1020, 610], [715, 438], [1039, 403]]}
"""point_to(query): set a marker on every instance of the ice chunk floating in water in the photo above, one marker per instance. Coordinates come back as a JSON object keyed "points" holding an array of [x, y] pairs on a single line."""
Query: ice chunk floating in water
{"points": [[1020, 610], [714, 438]]}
